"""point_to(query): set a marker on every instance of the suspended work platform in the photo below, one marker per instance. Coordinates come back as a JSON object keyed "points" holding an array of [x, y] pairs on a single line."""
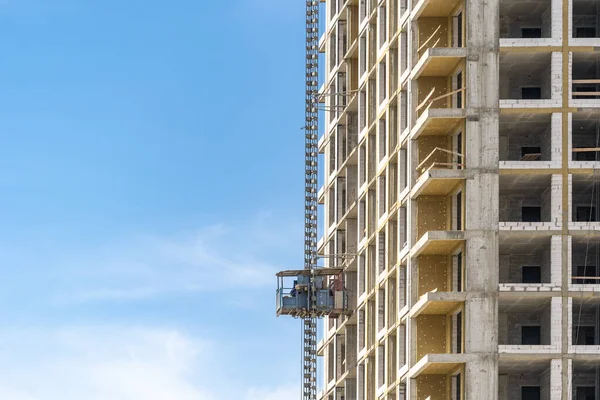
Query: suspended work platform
{"points": [[329, 294]]}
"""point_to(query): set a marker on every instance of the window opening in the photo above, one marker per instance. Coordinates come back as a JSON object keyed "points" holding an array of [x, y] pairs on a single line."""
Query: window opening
{"points": [[587, 271], [531, 274], [459, 86], [585, 32], [531, 214], [531, 33], [586, 213], [459, 211], [531, 393], [459, 29], [531, 335], [531, 93], [584, 335]]}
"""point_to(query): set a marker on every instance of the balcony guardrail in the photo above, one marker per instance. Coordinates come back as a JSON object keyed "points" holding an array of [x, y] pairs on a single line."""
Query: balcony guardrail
{"points": [[428, 100], [428, 163]]}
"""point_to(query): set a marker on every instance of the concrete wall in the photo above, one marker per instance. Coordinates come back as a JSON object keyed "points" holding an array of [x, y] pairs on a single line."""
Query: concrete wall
{"points": [[526, 139], [582, 257], [513, 81], [509, 326], [510, 265], [582, 379], [510, 205], [586, 20], [585, 200], [510, 25], [545, 384], [516, 381], [583, 139], [509, 387]]}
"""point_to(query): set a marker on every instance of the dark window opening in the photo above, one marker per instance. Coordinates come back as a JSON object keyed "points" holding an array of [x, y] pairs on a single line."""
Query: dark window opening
{"points": [[586, 271], [459, 29], [531, 274], [459, 211], [531, 93], [531, 151], [531, 335], [459, 272], [531, 393], [459, 332], [458, 388], [584, 335], [459, 85], [585, 32], [585, 393], [584, 89], [585, 213], [459, 160], [586, 156], [530, 33], [531, 214]]}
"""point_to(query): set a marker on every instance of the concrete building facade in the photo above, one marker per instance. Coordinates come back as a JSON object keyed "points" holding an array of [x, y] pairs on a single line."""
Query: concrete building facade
{"points": [[461, 185]]}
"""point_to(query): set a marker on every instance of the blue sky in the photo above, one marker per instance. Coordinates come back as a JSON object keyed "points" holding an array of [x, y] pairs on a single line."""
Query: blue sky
{"points": [[151, 184]]}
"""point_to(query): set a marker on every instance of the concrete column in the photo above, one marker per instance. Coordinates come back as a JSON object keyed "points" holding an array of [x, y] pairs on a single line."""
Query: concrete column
{"points": [[556, 138], [503, 387], [556, 78], [569, 331], [556, 200], [481, 378], [569, 258], [555, 379], [411, 393], [556, 321], [567, 389], [556, 259], [481, 196]]}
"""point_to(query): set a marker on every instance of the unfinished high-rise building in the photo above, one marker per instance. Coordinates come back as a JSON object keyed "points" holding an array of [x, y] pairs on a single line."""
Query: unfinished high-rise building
{"points": [[461, 196]]}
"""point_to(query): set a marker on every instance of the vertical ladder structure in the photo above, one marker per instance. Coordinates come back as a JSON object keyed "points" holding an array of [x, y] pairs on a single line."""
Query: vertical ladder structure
{"points": [[309, 325], [316, 291]]}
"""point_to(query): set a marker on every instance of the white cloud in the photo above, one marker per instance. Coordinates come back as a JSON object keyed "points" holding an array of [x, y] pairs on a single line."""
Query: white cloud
{"points": [[100, 363], [278, 393], [120, 363], [116, 362], [214, 258]]}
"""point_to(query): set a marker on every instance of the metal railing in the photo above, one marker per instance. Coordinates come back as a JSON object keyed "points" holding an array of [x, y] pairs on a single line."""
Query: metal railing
{"points": [[429, 101], [429, 162]]}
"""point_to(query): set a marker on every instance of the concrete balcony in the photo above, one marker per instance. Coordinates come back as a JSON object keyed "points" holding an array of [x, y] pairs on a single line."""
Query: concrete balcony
{"points": [[438, 62], [438, 182], [437, 364], [438, 303], [437, 121], [441, 171], [437, 243], [433, 8]]}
